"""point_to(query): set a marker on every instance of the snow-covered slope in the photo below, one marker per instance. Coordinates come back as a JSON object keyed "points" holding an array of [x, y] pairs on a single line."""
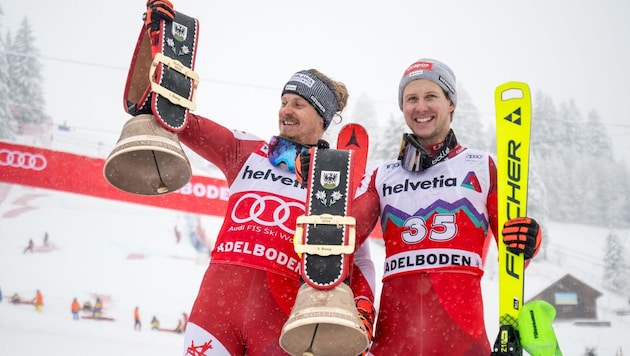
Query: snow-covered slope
{"points": [[128, 254]]}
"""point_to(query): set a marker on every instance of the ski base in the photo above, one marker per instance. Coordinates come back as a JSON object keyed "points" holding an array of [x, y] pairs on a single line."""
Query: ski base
{"points": [[104, 318], [507, 343]]}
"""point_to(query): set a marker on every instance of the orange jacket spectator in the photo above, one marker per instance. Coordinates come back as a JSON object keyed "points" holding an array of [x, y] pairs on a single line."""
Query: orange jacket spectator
{"points": [[76, 307], [39, 298], [136, 315], [39, 301]]}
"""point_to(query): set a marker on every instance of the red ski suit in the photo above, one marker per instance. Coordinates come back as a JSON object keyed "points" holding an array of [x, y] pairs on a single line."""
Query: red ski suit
{"points": [[250, 286], [436, 226]]}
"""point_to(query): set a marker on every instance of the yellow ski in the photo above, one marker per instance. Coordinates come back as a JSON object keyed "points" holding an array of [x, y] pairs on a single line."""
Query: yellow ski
{"points": [[513, 121]]}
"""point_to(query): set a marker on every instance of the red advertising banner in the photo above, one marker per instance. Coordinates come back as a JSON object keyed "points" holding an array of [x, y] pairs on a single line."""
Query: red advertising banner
{"points": [[44, 168], [56, 170]]}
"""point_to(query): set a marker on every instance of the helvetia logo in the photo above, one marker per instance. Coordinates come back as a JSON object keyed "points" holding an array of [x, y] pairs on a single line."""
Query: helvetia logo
{"points": [[407, 185]]}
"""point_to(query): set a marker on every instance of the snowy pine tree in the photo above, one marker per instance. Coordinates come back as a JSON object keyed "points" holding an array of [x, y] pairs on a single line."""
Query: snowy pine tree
{"points": [[537, 205], [590, 351], [599, 141], [573, 136], [600, 203], [615, 270], [25, 79], [467, 124], [622, 189], [6, 131], [545, 127]]}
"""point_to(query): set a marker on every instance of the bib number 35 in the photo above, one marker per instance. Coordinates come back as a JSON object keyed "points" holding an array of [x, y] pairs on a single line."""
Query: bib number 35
{"points": [[443, 228]]}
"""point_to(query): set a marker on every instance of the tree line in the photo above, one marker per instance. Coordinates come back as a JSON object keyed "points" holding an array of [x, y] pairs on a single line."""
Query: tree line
{"points": [[21, 90]]}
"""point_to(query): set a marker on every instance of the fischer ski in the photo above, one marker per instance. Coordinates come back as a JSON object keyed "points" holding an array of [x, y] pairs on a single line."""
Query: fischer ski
{"points": [[513, 123]]}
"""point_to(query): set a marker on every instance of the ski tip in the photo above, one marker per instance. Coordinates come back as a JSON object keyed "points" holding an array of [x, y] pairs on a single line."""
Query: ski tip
{"points": [[353, 126], [353, 136], [512, 91]]}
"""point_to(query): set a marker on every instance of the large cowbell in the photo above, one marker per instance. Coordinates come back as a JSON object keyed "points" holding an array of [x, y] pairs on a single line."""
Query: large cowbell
{"points": [[148, 159], [324, 322]]}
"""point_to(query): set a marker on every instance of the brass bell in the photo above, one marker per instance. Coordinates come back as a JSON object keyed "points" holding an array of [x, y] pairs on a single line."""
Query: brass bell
{"points": [[324, 322], [147, 159]]}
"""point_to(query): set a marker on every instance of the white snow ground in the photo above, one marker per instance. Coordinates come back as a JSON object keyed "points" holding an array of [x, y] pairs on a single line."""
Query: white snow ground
{"points": [[128, 254]]}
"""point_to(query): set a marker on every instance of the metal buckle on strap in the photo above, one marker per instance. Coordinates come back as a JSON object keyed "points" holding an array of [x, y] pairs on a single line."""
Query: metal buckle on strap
{"points": [[168, 94], [324, 250]]}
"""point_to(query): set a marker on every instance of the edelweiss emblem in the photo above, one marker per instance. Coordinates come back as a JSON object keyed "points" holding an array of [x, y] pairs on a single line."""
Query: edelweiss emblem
{"points": [[323, 197], [181, 52]]}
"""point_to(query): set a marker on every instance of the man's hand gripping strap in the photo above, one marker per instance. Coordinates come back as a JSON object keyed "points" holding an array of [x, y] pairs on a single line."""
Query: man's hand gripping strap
{"points": [[164, 85], [325, 237]]}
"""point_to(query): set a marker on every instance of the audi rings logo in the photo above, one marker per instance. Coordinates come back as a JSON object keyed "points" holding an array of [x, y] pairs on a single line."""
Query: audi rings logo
{"points": [[19, 159], [266, 211]]}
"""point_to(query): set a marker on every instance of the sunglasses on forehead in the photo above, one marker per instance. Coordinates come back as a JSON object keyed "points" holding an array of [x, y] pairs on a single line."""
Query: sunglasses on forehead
{"points": [[283, 150]]}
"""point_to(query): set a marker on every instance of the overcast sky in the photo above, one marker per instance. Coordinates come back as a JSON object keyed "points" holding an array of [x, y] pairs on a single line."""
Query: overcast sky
{"points": [[569, 49]]}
